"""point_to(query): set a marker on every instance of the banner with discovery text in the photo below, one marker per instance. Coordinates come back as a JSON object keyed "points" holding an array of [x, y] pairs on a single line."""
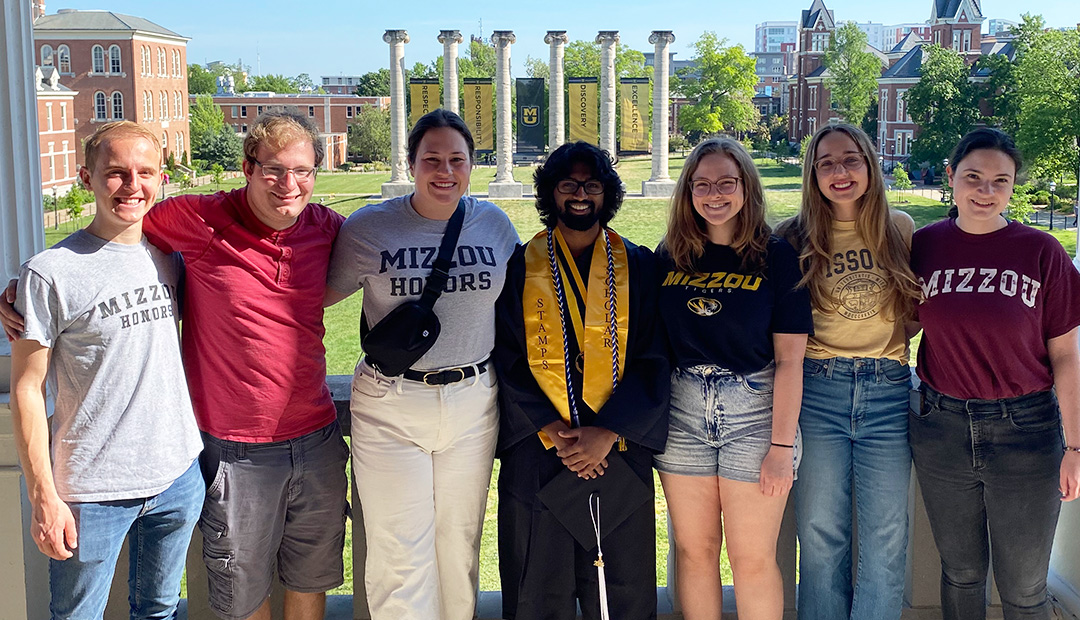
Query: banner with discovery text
{"points": [[584, 117]]}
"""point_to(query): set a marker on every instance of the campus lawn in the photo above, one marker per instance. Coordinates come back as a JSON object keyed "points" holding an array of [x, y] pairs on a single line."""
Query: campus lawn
{"points": [[640, 220]]}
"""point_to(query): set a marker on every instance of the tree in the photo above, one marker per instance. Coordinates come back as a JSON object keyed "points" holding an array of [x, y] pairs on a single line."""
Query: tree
{"points": [[374, 84], [369, 134], [722, 87], [303, 83], [536, 68], [582, 59], [942, 103], [479, 63], [205, 120], [224, 148], [852, 73], [422, 71], [200, 81], [1048, 89], [274, 83], [900, 181]]}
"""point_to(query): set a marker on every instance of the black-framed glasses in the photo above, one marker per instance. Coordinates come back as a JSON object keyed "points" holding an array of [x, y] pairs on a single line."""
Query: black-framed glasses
{"points": [[704, 187], [273, 172], [570, 186], [850, 163]]}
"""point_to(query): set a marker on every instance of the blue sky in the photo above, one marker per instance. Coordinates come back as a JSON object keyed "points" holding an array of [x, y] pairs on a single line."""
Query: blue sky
{"points": [[336, 37]]}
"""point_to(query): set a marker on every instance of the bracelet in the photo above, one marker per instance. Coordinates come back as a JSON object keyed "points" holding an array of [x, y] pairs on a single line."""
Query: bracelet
{"points": [[1071, 449], [784, 445]]}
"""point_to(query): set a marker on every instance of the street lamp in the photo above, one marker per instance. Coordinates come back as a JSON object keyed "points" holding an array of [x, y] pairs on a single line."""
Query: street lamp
{"points": [[944, 181], [1053, 186]]}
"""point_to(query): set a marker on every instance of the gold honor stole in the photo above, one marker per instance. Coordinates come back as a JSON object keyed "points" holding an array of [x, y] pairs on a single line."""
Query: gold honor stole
{"points": [[543, 320]]}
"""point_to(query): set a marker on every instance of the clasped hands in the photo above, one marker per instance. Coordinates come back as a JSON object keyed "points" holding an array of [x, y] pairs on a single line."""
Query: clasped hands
{"points": [[583, 450]]}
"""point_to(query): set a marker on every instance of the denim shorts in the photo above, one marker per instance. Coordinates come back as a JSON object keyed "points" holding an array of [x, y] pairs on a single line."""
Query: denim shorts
{"points": [[721, 423]]}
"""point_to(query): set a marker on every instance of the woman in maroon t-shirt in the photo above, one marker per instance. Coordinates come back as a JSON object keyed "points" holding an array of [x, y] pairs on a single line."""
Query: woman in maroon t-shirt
{"points": [[994, 453]]}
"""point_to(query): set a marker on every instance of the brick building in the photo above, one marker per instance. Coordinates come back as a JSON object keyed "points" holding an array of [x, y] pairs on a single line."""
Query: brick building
{"points": [[331, 114], [56, 132], [121, 67]]}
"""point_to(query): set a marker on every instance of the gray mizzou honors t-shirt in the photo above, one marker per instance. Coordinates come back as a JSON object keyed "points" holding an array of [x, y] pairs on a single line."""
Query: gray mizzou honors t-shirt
{"points": [[388, 249], [123, 427]]}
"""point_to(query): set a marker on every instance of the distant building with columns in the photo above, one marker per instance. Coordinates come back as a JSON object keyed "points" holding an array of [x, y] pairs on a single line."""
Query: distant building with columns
{"points": [[121, 67]]}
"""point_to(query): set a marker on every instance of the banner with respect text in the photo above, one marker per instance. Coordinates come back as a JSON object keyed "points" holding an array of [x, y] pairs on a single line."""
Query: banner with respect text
{"points": [[423, 98]]}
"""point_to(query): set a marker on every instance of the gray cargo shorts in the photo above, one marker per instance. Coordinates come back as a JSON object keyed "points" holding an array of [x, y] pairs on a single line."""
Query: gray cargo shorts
{"points": [[273, 506]]}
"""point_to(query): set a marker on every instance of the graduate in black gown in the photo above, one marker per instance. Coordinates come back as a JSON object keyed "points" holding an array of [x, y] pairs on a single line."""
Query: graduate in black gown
{"points": [[583, 393]]}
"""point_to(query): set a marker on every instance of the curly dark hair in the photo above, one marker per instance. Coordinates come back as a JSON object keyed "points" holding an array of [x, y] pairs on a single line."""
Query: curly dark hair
{"points": [[558, 166]]}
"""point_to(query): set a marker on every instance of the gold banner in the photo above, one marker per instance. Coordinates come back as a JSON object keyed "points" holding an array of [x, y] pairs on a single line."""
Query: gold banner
{"points": [[477, 113], [634, 99], [423, 98], [584, 117]]}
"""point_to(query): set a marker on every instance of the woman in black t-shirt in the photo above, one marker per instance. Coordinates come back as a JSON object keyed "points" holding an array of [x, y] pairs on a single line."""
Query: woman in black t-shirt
{"points": [[738, 325]]}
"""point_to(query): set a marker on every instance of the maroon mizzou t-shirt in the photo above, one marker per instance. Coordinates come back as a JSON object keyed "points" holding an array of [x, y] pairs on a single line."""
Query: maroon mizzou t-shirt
{"points": [[990, 304]]}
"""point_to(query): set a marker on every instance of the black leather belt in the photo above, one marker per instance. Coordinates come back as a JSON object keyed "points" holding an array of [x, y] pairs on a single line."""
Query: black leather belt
{"points": [[444, 377]]}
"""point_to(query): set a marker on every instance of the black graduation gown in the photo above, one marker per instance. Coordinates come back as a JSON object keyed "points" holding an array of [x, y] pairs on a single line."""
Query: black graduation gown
{"points": [[544, 571]]}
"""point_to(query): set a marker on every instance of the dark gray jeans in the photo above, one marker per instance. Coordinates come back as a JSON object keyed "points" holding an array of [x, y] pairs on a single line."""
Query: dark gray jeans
{"points": [[989, 476]]}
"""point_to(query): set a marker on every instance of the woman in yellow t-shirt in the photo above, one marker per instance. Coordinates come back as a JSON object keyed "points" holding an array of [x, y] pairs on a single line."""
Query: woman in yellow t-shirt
{"points": [[854, 253]]}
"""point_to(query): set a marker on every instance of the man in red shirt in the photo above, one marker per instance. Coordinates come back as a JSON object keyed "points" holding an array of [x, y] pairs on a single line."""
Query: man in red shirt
{"points": [[256, 261]]}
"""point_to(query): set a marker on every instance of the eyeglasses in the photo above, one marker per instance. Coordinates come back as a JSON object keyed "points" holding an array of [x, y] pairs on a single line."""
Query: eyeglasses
{"points": [[273, 173], [849, 163], [570, 186], [704, 187]]}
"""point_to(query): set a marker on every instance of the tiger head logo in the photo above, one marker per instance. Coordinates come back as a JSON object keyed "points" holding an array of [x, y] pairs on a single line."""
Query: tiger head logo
{"points": [[703, 306]]}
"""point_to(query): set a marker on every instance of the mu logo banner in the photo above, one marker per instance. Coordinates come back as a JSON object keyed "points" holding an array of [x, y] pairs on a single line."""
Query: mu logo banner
{"points": [[530, 115]]}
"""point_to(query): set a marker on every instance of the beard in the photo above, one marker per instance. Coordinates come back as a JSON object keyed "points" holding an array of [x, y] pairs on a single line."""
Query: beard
{"points": [[580, 221]]}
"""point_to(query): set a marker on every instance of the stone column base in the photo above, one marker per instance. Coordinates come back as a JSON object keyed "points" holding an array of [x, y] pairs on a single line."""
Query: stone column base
{"points": [[506, 189], [658, 189], [393, 189]]}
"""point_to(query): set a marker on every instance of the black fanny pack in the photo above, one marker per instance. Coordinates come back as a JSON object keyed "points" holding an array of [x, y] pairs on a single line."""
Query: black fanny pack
{"points": [[404, 335]]}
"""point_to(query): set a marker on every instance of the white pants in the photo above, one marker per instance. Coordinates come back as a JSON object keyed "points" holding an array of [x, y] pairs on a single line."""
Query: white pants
{"points": [[422, 456]]}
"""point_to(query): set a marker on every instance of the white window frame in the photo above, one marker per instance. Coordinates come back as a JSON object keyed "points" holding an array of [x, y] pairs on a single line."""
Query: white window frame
{"points": [[63, 54], [116, 64], [63, 116], [163, 105], [97, 55], [148, 106], [901, 107], [47, 55], [117, 100], [101, 106], [48, 117]]}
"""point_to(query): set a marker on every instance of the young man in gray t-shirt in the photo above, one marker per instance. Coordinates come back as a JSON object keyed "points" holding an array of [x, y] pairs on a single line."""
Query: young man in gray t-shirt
{"points": [[101, 314]]}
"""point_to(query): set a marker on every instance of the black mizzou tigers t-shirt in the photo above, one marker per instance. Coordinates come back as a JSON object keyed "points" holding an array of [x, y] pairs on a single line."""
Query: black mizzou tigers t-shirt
{"points": [[723, 316]]}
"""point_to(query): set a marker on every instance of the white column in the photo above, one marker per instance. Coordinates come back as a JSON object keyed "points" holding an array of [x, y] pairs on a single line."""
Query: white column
{"points": [[607, 39], [399, 184], [556, 85], [660, 184], [24, 580], [450, 40], [504, 185]]}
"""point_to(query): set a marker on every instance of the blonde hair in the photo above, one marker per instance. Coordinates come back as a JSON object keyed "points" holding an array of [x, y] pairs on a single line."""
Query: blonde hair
{"points": [[811, 233], [114, 131], [687, 234], [278, 129]]}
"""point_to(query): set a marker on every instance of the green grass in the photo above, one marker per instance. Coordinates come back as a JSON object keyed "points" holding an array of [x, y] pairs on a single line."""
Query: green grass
{"points": [[640, 220]]}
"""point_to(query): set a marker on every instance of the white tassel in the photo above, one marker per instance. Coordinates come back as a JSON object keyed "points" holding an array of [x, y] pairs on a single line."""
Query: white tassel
{"points": [[599, 563]]}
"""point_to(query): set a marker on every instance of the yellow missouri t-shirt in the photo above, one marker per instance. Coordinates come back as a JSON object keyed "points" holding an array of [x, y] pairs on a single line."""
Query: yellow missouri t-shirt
{"points": [[860, 327]]}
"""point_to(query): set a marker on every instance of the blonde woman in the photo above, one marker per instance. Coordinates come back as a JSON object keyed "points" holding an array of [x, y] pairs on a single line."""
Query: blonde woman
{"points": [[738, 324], [854, 252]]}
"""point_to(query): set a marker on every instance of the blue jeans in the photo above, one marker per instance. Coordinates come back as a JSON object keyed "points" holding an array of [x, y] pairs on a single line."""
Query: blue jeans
{"points": [[159, 529], [989, 475], [855, 440]]}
